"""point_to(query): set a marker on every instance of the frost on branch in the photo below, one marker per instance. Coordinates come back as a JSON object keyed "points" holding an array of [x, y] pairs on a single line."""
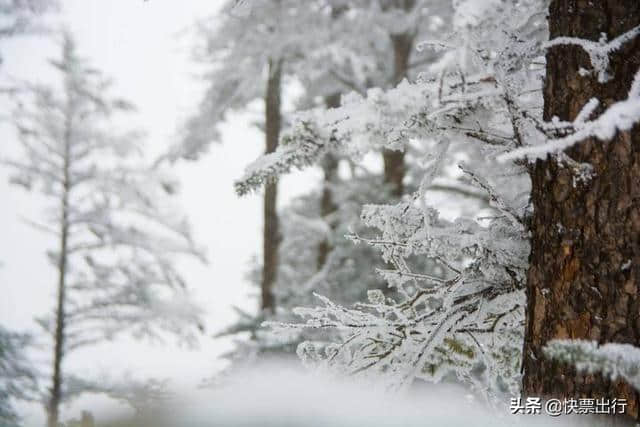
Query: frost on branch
{"points": [[17, 377], [556, 136], [115, 227], [469, 315], [621, 116], [598, 51], [345, 277], [362, 124], [381, 119], [235, 46], [298, 149], [450, 102], [140, 395], [462, 316], [611, 360], [21, 16]]}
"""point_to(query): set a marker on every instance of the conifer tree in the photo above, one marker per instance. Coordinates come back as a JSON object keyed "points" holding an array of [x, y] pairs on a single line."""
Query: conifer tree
{"points": [[251, 47], [17, 377], [116, 232], [462, 312]]}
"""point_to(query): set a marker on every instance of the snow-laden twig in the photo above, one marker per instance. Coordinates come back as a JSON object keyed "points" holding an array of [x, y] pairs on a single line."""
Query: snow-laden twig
{"points": [[496, 200], [621, 116], [299, 149], [598, 51], [455, 296], [611, 360]]}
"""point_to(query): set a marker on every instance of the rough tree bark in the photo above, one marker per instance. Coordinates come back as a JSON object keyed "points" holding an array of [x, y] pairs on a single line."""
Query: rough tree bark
{"points": [[584, 274], [402, 46], [271, 235]]}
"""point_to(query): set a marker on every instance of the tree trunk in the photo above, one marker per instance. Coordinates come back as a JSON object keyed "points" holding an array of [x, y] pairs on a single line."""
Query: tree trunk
{"points": [[327, 202], [87, 419], [585, 245], [402, 44], [394, 171], [271, 233], [55, 393]]}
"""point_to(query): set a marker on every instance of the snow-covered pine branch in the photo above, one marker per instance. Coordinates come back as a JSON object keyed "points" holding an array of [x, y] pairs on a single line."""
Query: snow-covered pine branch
{"points": [[450, 104], [140, 395], [613, 361], [438, 324], [17, 376], [236, 47], [381, 119], [618, 117], [299, 149], [469, 313], [20, 17], [599, 52]]}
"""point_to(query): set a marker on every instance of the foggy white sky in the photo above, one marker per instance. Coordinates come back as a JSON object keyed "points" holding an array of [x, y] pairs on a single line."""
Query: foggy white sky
{"points": [[136, 44]]}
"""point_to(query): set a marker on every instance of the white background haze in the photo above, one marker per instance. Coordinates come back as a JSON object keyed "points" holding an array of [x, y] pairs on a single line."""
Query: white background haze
{"points": [[146, 48]]}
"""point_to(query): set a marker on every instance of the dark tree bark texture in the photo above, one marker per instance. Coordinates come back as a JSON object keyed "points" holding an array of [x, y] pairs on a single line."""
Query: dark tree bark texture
{"points": [[584, 274], [271, 237]]}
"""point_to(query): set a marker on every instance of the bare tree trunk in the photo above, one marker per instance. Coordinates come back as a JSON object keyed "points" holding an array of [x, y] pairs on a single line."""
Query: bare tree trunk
{"points": [[330, 169], [271, 233], [327, 202], [394, 171], [584, 233], [55, 393], [87, 419], [402, 44]]}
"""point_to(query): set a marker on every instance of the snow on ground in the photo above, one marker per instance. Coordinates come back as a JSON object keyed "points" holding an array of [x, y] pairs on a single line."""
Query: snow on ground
{"points": [[274, 395]]}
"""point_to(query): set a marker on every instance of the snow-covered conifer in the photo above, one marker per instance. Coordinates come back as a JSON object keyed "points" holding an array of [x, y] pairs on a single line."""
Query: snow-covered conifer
{"points": [[17, 376], [116, 229], [466, 317]]}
